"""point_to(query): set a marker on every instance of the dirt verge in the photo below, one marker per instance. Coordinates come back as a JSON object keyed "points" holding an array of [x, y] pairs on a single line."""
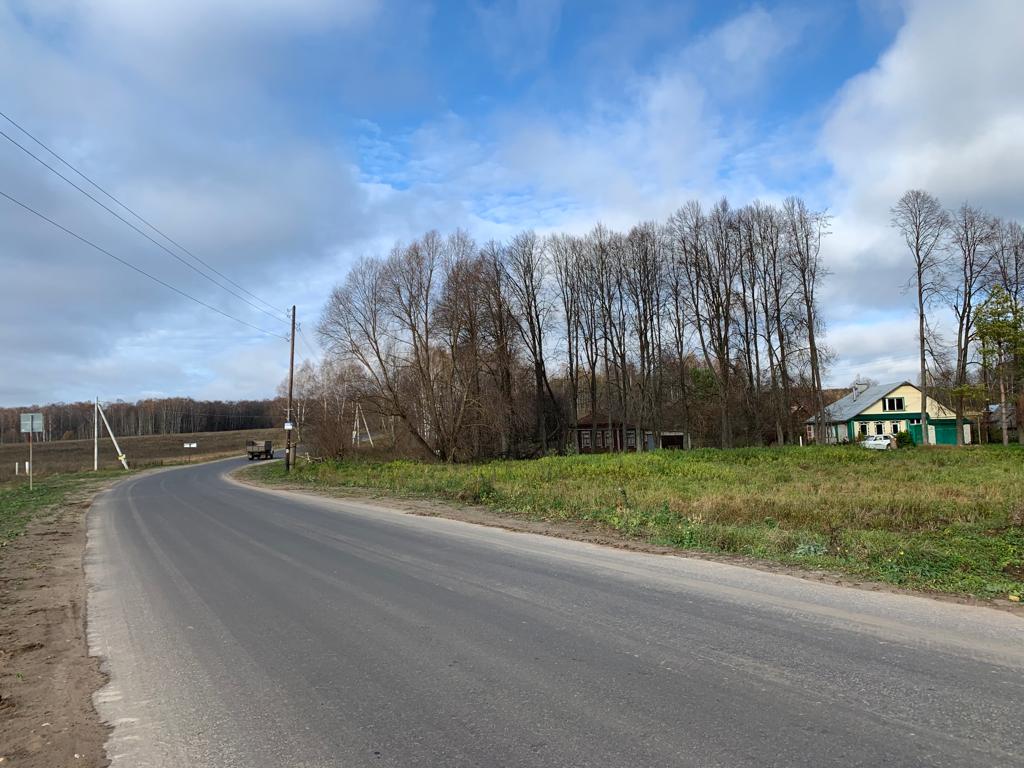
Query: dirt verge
{"points": [[596, 534], [47, 677]]}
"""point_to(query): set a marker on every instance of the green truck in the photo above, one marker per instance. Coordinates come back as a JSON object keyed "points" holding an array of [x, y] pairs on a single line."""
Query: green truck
{"points": [[259, 449]]}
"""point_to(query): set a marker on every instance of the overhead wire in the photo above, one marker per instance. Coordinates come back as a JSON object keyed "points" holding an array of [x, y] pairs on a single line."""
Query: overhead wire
{"points": [[318, 356], [275, 314], [131, 266]]}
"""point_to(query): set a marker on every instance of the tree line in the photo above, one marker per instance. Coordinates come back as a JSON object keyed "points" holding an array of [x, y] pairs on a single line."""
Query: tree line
{"points": [[970, 265], [155, 416], [707, 324]]}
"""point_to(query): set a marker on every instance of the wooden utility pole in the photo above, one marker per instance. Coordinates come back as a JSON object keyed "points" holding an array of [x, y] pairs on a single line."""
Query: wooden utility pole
{"points": [[291, 384], [96, 435]]}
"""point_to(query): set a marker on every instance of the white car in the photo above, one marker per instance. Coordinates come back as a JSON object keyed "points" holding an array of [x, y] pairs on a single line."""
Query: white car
{"points": [[879, 442]]}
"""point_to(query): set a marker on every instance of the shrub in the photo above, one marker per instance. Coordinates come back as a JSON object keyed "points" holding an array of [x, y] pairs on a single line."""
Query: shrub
{"points": [[904, 440]]}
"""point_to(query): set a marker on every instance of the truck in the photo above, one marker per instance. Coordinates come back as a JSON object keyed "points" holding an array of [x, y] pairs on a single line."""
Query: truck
{"points": [[259, 449]]}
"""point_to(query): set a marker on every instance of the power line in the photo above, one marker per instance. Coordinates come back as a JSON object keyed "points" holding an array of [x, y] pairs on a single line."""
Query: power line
{"points": [[137, 216], [141, 271], [309, 347]]}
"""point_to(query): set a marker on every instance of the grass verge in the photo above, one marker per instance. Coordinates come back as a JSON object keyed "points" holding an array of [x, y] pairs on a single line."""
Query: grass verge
{"points": [[933, 520], [19, 506]]}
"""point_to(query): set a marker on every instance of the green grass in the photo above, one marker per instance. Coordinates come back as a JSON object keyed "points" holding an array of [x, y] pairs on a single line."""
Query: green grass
{"points": [[930, 519], [19, 506]]}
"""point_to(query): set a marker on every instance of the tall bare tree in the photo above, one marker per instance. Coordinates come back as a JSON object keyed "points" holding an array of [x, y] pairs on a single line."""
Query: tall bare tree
{"points": [[805, 230], [923, 223], [567, 255], [972, 233], [527, 278]]}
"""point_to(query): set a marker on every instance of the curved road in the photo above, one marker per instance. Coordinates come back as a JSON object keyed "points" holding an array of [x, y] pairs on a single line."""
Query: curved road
{"points": [[252, 628]]}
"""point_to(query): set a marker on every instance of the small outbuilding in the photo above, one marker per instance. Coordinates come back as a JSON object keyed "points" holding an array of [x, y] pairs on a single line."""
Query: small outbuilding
{"points": [[603, 436], [886, 409]]}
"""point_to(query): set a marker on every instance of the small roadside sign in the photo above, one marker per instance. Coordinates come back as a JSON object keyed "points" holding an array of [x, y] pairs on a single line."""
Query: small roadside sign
{"points": [[190, 445], [31, 422], [289, 425]]}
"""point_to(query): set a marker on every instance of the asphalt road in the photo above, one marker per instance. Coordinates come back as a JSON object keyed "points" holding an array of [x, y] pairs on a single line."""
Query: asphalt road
{"points": [[250, 628]]}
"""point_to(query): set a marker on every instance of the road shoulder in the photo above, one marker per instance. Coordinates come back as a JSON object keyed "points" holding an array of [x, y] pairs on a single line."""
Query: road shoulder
{"points": [[47, 677]]}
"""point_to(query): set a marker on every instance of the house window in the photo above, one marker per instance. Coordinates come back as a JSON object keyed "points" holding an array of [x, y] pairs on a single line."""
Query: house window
{"points": [[879, 428], [915, 421], [586, 439], [608, 438], [892, 404], [631, 438], [600, 439], [864, 429]]}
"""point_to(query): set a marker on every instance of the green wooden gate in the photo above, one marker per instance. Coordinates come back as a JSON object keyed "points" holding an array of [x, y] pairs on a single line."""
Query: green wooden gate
{"points": [[945, 431]]}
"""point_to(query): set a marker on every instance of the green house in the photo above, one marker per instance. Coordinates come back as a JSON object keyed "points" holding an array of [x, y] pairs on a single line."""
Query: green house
{"points": [[885, 409]]}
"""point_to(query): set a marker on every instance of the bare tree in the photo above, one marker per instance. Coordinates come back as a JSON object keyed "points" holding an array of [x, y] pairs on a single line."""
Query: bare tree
{"points": [[805, 229], [1010, 265], [642, 277], [923, 223], [567, 254], [499, 329], [973, 235], [777, 295], [712, 261], [527, 272]]}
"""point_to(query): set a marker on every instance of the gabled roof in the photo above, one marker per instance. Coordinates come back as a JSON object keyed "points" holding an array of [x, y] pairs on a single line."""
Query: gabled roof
{"points": [[845, 408]]}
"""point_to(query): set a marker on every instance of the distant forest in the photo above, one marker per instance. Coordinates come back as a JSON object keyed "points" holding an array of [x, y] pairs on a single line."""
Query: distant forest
{"points": [[171, 415]]}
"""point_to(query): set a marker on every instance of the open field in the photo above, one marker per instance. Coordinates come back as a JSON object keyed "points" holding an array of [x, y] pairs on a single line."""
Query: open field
{"points": [[148, 451], [931, 519]]}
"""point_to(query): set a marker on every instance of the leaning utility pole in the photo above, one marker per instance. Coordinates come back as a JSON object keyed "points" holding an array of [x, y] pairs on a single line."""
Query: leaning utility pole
{"points": [[120, 456], [288, 418], [96, 435]]}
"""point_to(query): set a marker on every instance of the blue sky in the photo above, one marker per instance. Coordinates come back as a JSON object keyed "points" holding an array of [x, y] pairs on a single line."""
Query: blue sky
{"points": [[282, 140]]}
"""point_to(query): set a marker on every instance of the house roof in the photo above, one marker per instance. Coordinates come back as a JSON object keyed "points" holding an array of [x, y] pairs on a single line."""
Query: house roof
{"points": [[845, 408]]}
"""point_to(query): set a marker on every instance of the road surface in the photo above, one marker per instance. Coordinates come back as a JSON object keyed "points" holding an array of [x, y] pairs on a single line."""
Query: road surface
{"points": [[250, 628]]}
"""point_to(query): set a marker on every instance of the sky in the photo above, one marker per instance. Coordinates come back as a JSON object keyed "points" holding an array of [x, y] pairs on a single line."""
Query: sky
{"points": [[280, 140]]}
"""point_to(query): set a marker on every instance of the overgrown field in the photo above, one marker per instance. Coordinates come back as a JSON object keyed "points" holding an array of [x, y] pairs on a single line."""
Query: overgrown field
{"points": [[948, 520], [151, 450]]}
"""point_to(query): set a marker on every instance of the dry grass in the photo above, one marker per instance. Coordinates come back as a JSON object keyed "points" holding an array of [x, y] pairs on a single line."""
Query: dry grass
{"points": [[153, 450]]}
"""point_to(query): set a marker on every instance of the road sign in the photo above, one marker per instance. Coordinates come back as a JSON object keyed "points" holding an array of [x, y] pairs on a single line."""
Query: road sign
{"points": [[31, 422], [190, 445], [289, 425]]}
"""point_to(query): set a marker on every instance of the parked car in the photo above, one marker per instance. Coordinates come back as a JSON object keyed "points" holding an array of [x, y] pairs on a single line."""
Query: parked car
{"points": [[879, 442]]}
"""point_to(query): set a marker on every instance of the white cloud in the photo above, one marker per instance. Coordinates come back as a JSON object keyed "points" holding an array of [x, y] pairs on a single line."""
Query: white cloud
{"points": [[942, 110], [645, 142], [518, 33], [736, 55]]}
